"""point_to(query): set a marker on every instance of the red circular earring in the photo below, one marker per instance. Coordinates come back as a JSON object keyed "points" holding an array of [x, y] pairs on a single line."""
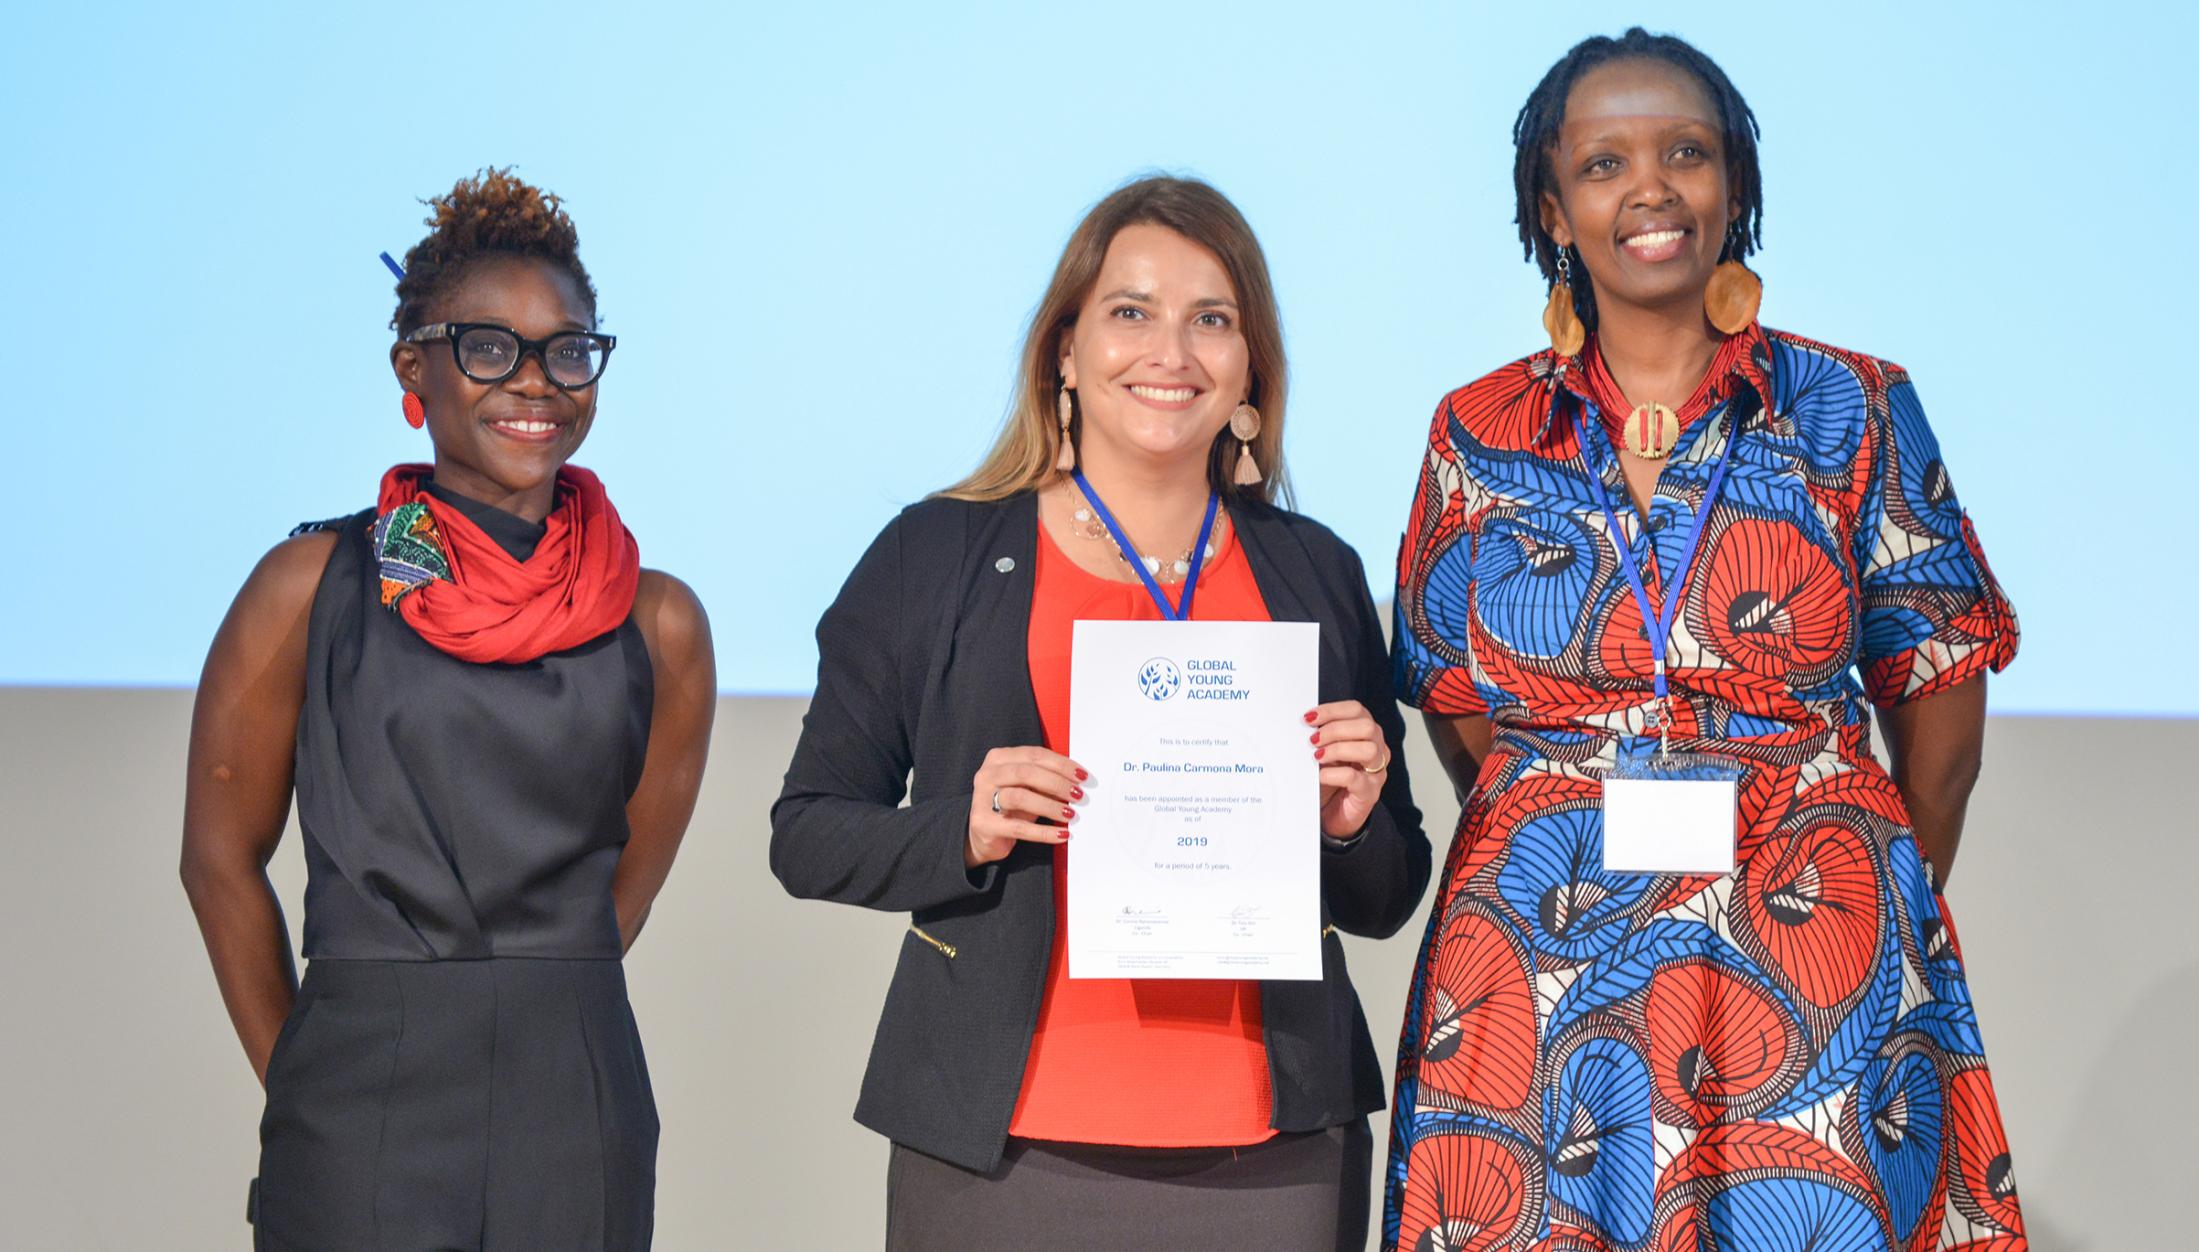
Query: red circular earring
{"points": [[416, 411]]}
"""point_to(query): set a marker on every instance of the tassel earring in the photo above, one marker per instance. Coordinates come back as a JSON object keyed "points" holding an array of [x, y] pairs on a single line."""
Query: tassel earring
{"points": [[416, 411], [1559, 318], [1244, 423], [1065, 461], [1735, 292]]}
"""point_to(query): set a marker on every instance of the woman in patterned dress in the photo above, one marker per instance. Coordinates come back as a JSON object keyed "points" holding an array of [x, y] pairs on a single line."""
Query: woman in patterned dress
{"points": [[1784, 1056]]}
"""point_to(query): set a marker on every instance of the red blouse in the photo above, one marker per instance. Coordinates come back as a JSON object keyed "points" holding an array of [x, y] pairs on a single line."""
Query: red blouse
{"points": [[1153, 1062]]}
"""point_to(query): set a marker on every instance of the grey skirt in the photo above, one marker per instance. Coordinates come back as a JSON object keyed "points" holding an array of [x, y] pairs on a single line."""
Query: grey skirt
{"points": [[1293, 1193], [475, 1105]]}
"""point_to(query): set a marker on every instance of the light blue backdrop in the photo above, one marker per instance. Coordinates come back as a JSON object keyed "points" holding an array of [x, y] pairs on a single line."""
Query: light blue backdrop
{"points": [[818, 229]]}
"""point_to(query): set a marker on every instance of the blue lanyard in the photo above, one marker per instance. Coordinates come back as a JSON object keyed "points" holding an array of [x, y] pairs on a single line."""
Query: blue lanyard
{"points": [[1172, 612], [1659, 625]]}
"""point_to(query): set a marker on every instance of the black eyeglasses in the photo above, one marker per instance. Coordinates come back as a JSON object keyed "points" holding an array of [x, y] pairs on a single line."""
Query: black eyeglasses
{"points": [[488, 353]]}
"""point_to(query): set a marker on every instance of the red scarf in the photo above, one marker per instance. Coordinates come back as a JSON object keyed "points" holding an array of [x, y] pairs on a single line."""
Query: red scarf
{"points": [[579, 583]]}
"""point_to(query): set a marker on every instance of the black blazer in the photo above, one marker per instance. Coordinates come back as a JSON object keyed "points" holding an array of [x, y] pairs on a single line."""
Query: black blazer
{"points": [[923, 668]]}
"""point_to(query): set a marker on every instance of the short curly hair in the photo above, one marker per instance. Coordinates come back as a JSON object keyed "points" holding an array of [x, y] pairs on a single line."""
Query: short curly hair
{"points": [[489, 215]]}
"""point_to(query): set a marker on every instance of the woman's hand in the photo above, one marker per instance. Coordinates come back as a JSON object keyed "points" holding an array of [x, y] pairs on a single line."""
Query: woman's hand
{"points": [[1354, 760], [1012, 790]]}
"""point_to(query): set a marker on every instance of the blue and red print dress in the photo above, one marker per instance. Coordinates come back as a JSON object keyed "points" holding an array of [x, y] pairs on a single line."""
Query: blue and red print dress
{"points": [[1781, 1058]]}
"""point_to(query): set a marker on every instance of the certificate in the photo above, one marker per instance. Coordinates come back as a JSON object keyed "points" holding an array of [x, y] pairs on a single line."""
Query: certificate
{"points": [[1196, 853]]}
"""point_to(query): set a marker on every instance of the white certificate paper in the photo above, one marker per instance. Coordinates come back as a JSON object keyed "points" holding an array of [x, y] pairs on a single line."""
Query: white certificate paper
{"points": [[1197, 851]]}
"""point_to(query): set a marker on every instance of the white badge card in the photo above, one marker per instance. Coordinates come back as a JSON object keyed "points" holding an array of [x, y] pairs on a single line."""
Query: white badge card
{"points": [[1670, 814]]}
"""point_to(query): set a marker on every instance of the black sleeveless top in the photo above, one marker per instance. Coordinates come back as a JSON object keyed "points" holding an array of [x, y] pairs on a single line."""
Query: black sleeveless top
{"points": [[453, 810]]}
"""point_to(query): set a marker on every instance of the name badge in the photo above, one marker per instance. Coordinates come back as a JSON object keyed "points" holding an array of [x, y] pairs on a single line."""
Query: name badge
{"points": [[1670, 813]]}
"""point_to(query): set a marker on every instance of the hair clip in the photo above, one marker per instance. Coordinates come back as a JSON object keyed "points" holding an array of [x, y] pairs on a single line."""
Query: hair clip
{"points": [[394, 267]]}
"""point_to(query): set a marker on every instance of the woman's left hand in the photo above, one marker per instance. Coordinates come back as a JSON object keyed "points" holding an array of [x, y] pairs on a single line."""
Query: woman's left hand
{"points": [[1354, 761]]}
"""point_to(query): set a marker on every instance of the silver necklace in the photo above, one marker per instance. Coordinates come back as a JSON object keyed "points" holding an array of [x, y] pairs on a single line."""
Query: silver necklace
{"points": [[1085, 524]]}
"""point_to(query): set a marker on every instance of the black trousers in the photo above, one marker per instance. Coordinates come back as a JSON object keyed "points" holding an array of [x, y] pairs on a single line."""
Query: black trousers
{"points": [[1293, 1193], [481, 1106]]}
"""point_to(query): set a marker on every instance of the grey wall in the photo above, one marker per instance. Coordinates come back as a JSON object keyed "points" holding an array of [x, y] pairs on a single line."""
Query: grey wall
{"points": [[131, 1116]]}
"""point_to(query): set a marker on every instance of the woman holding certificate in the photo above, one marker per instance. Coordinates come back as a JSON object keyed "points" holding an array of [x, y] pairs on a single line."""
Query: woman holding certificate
{"points": [[1135, 481], [1689, 980]]}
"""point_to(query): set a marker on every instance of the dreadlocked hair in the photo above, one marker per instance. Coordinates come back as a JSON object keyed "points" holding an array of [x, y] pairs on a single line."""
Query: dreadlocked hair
{"points": [[489, 215], [1535, 135]]}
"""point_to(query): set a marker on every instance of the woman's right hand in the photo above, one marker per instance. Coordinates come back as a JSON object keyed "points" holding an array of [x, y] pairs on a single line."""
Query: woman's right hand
{"points": [[1012, 790]]}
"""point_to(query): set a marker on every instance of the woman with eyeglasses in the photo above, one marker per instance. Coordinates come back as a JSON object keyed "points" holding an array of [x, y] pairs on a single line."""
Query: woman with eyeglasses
{"points": [[494, 720], [1136, 479]]}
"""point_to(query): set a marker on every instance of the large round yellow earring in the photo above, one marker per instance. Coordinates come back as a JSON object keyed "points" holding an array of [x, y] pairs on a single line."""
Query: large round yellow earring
{"points": [[1735, 293], [1567, 335], [1732, 298]]}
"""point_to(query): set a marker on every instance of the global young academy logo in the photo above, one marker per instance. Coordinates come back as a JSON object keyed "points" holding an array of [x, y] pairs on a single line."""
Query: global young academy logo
{"points": [[1159, 678]]}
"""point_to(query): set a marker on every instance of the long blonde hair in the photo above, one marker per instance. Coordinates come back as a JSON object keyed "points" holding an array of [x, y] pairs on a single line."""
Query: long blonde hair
{"points": [[1022, 458]]}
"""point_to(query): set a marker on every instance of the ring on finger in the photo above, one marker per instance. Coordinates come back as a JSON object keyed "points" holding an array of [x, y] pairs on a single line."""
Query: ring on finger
{"points": [[1383, 768], [996, 800]]}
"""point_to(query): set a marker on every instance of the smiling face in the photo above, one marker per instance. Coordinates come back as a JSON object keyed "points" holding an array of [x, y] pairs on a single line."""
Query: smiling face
{"points": [[1640, 185], [502, 442], [1157, 356]]}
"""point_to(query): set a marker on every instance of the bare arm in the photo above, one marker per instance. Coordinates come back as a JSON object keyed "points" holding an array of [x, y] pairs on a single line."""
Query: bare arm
{"points": [[1461, 745], [236, 796], [686, 682], [1937, 745]]}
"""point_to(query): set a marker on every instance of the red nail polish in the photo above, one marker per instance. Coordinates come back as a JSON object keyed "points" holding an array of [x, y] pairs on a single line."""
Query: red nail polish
{"points": [[1317, 753], [1081, 775], [1065, 836], [1067, 812], [1076, 793], [1311, 714], [1315, 737]]}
